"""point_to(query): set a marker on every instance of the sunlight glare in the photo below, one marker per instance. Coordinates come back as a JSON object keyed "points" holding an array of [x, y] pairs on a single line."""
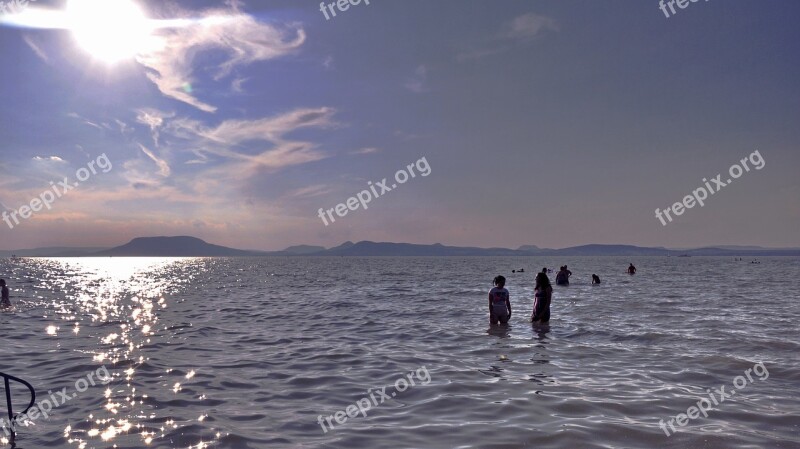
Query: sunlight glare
{"points": [[109, 30]]}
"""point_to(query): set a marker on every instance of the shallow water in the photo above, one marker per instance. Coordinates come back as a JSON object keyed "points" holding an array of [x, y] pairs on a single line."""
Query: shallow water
{"points": [[249, 352]]}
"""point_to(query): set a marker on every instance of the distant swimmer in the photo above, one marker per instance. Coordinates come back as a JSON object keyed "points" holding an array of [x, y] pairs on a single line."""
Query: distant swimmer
{"points": [[542, 295], [5, 302], [521, 270], [562, 277], [631, 269], [499, 302], [595, 279]]}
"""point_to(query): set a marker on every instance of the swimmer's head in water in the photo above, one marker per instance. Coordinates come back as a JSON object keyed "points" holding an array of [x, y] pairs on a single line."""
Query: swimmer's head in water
{"points": [[500, 281]]}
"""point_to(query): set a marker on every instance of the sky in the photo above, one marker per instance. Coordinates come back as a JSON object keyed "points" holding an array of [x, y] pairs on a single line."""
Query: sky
{"points": [[548, 123]]}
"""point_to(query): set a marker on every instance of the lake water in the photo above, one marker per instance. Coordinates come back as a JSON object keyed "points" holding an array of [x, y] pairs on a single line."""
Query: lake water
{"points": [[256, 352]]}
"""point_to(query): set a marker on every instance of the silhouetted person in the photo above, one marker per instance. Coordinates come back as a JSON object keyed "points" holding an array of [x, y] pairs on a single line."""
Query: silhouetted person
{"points": [[542, 295], [631, 269], [562, 278], [4, 296], [595, 279]]}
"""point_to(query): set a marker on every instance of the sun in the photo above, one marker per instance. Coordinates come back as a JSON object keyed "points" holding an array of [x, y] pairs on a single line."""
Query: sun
{"points": [[109, 30]]}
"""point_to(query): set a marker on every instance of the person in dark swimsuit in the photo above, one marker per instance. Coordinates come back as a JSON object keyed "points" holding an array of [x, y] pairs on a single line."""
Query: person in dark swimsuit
{"points": [[595, 279], [562, 277], [631, 269], [4, 296], [543, 294]]}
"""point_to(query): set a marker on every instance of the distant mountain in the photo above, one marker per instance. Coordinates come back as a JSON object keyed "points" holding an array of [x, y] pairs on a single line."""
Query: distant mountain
{"points": [[55, 251], [182, 246], [409, 249], [609, 250], [302, 250], [193, 247], [367, 248]]}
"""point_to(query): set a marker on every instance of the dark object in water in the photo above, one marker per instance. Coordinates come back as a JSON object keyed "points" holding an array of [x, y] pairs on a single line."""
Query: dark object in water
{"points": [[11, 416]]}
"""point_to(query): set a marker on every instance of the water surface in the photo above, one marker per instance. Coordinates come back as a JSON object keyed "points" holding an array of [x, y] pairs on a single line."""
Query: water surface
{"points": [[250, 352]]}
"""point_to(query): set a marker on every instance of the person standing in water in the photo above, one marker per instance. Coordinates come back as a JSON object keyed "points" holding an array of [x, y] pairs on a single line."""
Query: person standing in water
{"points": [[631, 269], [595, 279], [542, 294], [4, 296], [562, 277], [499, 302]]}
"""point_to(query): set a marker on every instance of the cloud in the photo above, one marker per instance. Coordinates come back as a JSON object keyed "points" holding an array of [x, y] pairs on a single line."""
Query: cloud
{"points": [[328, 63], [309, 192], [154, 119], [368, 150], [48, 159], [85, 121], [163, 167], [36, 49], [237, 84], [521, 29], [418, 82], [271, 129], [124, 129], [528, 26], [245, 40]]}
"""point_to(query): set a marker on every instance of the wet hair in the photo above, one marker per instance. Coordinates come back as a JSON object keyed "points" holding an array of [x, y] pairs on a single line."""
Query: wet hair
{"points": [[499, 281], [2, 282], [544, 270], [542, 281]]}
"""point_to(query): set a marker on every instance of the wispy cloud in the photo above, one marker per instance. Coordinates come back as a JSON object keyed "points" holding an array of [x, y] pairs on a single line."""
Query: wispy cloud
{"points": [[368, 150], [519, 30], [418, 83], [36, 49], [309, 192], [241, 36], [85, 121], [529, 26], [154, 119], [271, 129], [163, 167], [48, 159], [328, 63], [243, 149], [237, 85]]}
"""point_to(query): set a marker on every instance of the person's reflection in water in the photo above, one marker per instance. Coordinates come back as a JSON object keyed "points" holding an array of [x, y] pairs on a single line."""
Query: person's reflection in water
{"points": [[499, 330], [541, 331], [541, 357]]}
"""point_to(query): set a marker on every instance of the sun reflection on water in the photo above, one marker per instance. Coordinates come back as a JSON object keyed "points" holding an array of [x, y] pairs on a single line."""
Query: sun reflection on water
{"points": [[121, 298]]}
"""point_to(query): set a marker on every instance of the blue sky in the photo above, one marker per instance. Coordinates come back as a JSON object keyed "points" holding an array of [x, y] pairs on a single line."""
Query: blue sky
{"points": [[553, 123]]}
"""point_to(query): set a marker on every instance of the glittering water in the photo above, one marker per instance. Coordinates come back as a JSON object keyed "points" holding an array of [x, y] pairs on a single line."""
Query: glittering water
{"points": [[249, 352]]}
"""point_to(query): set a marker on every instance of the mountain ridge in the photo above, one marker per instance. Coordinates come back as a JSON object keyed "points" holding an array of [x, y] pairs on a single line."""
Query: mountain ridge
{"points": [[187, 246]]}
